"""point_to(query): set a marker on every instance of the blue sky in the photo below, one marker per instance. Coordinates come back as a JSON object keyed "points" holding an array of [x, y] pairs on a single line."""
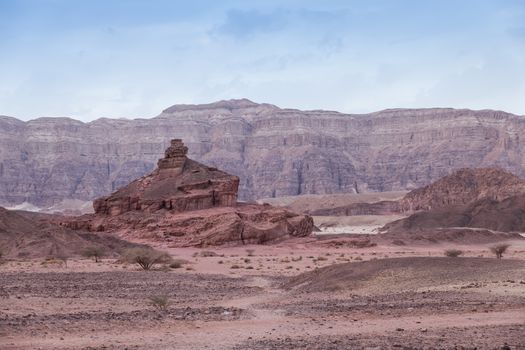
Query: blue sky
{"points": [[103, 58]]}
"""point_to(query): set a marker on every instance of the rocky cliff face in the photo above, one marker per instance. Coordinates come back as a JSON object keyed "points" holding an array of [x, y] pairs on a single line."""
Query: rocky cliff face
{"points": [[275, 152]]}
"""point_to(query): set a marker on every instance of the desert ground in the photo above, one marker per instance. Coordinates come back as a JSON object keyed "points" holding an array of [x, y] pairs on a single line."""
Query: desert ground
{"points": [[304, 293]]}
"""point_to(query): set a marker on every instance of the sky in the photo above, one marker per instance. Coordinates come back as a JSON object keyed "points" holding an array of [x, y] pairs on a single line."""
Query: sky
{"points": [[133, 58]]}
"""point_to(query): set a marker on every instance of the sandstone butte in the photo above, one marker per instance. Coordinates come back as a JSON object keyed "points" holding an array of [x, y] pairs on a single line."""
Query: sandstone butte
{"points": [[186, 203]]}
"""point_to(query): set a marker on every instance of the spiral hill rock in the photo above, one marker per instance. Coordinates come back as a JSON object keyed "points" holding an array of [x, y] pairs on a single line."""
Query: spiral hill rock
{"points": [[186, 203]]}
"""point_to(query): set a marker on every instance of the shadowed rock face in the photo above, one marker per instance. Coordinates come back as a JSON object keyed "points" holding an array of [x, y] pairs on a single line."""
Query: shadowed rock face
{"points": [[178, 184], [482, 200], [274, 151], [28, 235], [185, 203], [464, 187]]}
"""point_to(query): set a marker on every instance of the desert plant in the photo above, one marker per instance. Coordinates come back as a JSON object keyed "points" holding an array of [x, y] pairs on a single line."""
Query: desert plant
{"points": [[159, 302], [207, 254], [93, 252], [146, 258], [453, 253], [63, 257], [499, 249]]}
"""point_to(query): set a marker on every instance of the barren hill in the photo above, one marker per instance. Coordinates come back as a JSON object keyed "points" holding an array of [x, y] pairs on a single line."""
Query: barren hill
{"points": [[507, 215], [488, 199], [24, 235], [395, 275], [463, 187], [275, 152]]}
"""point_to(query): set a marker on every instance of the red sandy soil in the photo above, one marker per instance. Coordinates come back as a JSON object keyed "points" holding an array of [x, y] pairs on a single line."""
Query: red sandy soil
{"points": [[411, 303]]}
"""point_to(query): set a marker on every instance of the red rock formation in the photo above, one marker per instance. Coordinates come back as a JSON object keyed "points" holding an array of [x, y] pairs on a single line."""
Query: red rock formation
{"points": [[464, 187], [481, 203], [178, 184], [185, 203]]}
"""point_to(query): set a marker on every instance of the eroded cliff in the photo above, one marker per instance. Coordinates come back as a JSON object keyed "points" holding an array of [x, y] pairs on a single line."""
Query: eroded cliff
{"points": [[275, 152]]}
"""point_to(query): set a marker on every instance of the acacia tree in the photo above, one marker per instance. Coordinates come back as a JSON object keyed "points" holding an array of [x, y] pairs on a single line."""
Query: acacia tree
{"points": [[146, 258], [93, 252], [499, 249]]}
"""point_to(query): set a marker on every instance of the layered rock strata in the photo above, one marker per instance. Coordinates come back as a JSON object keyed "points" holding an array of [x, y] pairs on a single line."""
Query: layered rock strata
{"points": [[178, 184], [185, 203], [275, 152]]}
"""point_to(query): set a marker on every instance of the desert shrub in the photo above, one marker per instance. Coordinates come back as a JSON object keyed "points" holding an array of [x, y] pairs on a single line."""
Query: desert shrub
{"points": [[321, 258], [207, 254], [146, 258], [235, 267], [93, 252], [63, 257], [159, 302], [499, 249], [453, 253], [246, 260], [177, 263]]}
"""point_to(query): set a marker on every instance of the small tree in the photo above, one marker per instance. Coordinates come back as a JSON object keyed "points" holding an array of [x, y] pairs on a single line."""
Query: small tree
{"points": [[93, 252], [146, 257], [499, 249], [160, 302], [453, 253]]}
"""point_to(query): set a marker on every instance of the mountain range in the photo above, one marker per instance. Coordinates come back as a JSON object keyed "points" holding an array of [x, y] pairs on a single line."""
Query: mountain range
{"points": [[275, 152]]}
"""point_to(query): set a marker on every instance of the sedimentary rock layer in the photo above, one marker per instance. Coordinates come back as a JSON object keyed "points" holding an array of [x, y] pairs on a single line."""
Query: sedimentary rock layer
{"points": [[274, 151], [185, 203]]}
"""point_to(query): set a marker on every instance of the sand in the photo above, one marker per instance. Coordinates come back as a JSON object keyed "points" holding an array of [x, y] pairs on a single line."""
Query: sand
{"points": [[240, 298]]}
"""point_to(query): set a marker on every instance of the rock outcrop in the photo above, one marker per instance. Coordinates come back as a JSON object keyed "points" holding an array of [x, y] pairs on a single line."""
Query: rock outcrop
{"points": [[275, 152], [185, 203], [463, 187], [467, 202], [178, 184]]}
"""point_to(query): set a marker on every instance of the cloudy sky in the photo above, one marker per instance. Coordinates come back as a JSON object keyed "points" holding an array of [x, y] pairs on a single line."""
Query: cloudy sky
{"points": [[133, 58]]}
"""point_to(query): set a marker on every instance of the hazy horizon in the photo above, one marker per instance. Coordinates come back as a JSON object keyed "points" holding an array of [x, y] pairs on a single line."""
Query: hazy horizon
{"points": [[132, 59], [257, 102]]}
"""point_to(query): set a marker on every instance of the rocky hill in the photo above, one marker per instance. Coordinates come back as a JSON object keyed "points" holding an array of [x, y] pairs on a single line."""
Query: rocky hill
{"points": [[26, 235], [186, 203], [473, 199], [463, 187], [275, 152]]}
